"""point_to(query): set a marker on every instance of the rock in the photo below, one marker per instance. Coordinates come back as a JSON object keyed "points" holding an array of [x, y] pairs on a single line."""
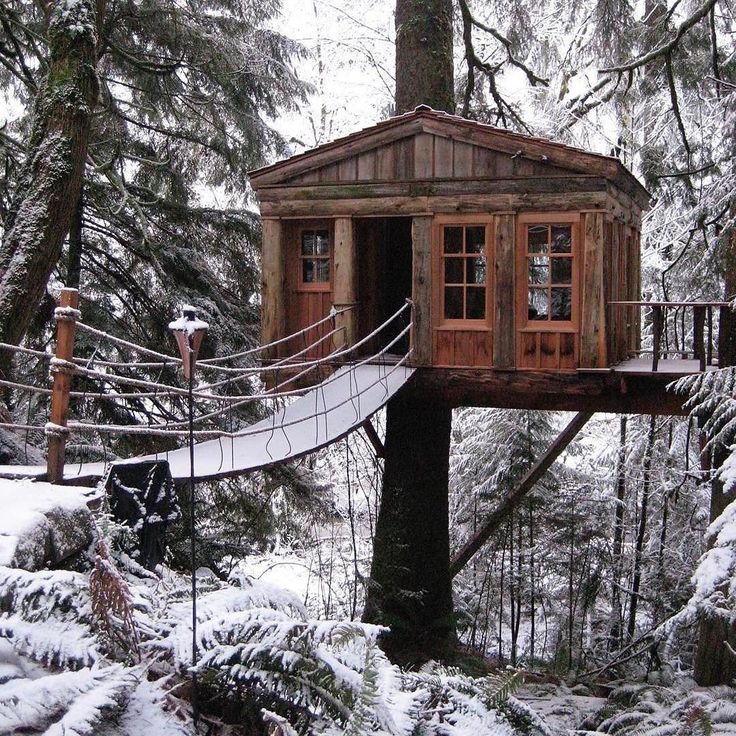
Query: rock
{"points": [[14, 450], [42, 524]]}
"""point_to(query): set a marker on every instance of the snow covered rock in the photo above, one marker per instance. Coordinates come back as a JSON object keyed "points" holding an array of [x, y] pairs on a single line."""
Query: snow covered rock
{"points": [[42, 524]]}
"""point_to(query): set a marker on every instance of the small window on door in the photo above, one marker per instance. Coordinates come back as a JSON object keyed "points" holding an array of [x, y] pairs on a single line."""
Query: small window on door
{"points": [[315, 257], [549, 272], [464, 271]]}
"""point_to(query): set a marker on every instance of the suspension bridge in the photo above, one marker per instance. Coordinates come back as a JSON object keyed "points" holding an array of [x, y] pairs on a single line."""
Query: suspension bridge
{"points": [[145, 385]]}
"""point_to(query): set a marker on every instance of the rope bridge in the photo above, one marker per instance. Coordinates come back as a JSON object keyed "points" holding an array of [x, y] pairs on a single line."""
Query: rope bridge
{"points": [[148, 391]]}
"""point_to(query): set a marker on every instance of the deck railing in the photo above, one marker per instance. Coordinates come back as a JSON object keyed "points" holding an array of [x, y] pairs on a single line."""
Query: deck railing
{"points": [[685, 330]]}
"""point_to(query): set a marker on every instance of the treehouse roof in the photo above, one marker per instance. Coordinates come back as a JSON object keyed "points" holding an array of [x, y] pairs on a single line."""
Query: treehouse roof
{"points": [[426, 144]]}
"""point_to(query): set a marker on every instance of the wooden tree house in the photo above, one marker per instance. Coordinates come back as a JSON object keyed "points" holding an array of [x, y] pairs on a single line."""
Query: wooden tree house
{"points": [[521, 257]]}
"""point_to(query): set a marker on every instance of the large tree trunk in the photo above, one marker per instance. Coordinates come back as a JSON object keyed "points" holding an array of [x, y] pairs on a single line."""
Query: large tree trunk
{"points": [[424, 68], [57, 149], [410, 588]]}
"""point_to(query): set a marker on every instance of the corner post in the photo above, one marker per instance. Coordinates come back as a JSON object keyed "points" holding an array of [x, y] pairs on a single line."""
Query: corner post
{"points": [[346, 283], [66, 315], [657, 329], [421, 289], [273, 287]]}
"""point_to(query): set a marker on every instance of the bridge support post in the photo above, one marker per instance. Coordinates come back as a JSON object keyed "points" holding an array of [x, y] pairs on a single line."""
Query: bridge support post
{"points": [[346, 292], [66, 316], [410, 589]]}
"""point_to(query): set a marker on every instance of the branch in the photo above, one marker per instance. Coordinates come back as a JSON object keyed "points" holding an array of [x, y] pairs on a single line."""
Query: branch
{"points": [[531, 76], [666, 48]]}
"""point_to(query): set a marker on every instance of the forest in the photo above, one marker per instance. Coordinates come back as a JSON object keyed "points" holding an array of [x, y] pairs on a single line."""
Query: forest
{"points": [[601, 598]]}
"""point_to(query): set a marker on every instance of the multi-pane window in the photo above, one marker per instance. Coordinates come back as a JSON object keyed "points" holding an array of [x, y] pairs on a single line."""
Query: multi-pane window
{"points": [[464, 271], [549, 272], [315, 256]]}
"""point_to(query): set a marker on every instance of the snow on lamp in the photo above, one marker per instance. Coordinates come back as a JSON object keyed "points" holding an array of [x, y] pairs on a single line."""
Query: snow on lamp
{"points": [[188, 331]]}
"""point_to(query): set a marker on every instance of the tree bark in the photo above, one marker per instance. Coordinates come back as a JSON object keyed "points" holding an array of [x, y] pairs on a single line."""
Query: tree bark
{"points": [[641, 533], [50, 183], [618, 538], [410, 587], [424, 67]]}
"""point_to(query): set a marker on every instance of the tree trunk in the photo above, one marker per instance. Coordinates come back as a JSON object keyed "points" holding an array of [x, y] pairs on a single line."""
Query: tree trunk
{"points": [[424, 67], [50, 183], [410, 587], [639, 550], [618, 539]]}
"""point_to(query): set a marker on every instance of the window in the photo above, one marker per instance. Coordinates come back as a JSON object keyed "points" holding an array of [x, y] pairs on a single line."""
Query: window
{"points": [[549, 272], [464, 271], [315, 257]]}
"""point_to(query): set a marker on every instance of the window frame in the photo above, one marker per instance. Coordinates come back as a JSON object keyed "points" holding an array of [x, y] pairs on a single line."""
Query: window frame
{"points": [[307, 227], [464, 221], [524, 323]]}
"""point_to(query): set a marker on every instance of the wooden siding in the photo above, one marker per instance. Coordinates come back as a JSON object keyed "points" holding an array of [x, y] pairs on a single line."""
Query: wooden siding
{"points": [[425, 156], [462, 348]]}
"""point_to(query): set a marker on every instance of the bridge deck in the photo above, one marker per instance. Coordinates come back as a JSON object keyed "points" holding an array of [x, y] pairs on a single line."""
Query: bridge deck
{"points": [[330, 411]]}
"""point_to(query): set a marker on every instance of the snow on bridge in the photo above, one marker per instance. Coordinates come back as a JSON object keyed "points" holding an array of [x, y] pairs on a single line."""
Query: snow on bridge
{"points": [[330, 411]]}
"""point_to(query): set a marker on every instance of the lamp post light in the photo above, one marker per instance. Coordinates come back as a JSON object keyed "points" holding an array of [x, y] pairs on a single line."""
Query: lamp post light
{"points": [[189, 331]]}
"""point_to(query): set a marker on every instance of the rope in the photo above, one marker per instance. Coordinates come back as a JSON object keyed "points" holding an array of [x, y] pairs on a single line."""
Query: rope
{"points": [[25, 351], [130, 345], [26, 387], [252, 351]]}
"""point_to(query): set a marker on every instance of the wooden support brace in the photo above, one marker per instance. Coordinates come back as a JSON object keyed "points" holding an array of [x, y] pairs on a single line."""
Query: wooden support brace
{"points": [[512, 500], [373, 438], [66, 318], [699, 335], [657, 328]]}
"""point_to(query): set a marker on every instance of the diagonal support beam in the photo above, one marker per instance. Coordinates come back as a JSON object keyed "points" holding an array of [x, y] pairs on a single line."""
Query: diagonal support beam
{"points": [[375, 440], [512, 500]]}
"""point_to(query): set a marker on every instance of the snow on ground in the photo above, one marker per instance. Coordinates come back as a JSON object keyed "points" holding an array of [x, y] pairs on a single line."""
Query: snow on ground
{"points": [[42, 523]]}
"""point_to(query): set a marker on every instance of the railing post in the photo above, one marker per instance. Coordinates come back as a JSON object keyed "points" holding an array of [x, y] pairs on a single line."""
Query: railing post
{"points": [[66, 315], [699, 334], [657, 325]]}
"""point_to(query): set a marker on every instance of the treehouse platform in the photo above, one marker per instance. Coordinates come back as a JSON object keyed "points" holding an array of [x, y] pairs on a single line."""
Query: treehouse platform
{"points": [[520, 258]]}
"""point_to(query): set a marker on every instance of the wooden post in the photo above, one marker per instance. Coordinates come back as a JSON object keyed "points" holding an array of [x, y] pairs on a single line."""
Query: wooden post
{"points": [[66, 316], [273, 287], [709, 347], [699, 335], [421, 289], [345, 283], [657, 326]]}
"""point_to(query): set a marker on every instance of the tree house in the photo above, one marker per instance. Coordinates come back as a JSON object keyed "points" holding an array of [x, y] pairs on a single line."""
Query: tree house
{"points": [[516, 252]]}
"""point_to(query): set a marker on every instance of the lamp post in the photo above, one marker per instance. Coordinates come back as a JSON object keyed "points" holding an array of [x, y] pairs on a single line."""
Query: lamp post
{"points": [[189, 331]]}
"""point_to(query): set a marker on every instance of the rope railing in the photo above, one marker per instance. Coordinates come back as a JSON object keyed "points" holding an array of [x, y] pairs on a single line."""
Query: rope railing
{"points": [[154, 396]]}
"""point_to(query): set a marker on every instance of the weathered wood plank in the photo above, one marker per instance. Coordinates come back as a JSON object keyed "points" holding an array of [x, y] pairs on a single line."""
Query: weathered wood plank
{"points": [[531, 185], [423, 156], [348, 169], [592, 324], [273, 285], [386, 162], [367, 166], [504, 327], [443, 157], [345, 282], [421, 204], [421, 293], [462, 154], [404, 164]]}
